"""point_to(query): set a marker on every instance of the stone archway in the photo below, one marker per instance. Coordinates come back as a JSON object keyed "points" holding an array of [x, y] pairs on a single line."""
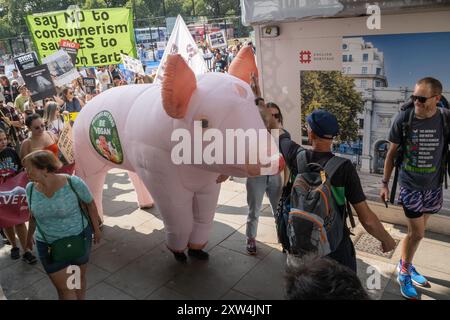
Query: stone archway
{"points": [[381, 148]]}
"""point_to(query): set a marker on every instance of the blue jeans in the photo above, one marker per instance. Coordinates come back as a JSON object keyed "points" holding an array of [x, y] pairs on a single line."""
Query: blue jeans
{"points": [[256, 187]]}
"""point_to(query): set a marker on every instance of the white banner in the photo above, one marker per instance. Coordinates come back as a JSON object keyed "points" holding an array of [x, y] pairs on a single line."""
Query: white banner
{"points": [[181, 42], [61, 68], [132, 64]]}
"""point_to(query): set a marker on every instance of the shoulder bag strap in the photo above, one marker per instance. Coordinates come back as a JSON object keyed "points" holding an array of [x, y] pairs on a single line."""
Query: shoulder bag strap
{"points": [[332, 165], [444, 160], [80, 202], [302, 161]]}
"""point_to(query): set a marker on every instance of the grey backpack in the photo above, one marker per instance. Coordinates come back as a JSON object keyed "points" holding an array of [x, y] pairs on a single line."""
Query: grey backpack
{"points": [[315, 222]]}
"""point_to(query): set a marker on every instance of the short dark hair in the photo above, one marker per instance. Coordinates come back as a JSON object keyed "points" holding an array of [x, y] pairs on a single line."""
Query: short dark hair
{"points": [[43, 159], [319, 278], [65, 91], [29, 119], [436, 85]]}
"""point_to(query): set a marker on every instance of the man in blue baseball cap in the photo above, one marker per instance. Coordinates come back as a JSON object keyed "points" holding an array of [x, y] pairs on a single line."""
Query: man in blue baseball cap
{"points": [[322, 128], [323, 124]]}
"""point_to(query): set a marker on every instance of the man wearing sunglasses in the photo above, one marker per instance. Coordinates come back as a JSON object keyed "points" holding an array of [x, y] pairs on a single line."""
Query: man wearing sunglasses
{"points": [[421, 172]]}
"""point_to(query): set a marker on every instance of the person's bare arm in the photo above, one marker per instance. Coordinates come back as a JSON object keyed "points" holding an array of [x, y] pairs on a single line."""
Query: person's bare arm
{"points": [[59, 101], [17, 124], [388, 168], [24, 149], [30, 234], [372, 224], [95, 219]]}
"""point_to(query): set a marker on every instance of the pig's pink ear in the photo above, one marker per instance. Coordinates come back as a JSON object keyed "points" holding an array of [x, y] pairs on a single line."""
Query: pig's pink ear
{"points": [[243, 65], [178, 85]]}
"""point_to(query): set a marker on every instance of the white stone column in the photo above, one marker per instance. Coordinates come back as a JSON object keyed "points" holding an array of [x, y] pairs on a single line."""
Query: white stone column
{"points": [[366, 158]]}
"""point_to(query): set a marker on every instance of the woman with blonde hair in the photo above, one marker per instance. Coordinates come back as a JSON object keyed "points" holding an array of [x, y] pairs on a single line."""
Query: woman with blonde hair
{"points": [[52, 117], [62, 210]]}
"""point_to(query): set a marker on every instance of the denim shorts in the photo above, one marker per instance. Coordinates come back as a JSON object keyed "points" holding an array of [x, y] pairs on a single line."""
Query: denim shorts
{"points": [[52, 267], [417, 203]]}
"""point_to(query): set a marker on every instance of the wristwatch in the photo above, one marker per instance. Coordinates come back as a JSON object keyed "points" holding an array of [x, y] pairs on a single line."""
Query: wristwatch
{"points": [[384, 182]]}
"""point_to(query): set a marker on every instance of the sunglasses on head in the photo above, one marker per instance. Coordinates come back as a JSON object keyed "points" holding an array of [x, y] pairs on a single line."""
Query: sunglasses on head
{"points": [[420, 99]]}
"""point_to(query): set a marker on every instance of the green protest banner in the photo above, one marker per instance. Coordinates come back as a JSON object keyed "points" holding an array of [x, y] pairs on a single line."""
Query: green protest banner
{"points": [[103, 34]]}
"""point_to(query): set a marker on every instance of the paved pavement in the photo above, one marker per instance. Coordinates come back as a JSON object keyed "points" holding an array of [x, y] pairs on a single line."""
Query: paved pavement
{"points": [[371, 184], [133, 263]]}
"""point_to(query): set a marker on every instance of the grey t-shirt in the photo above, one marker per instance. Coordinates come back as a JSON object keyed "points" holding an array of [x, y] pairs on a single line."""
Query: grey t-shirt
{"points": [[421, 168]]}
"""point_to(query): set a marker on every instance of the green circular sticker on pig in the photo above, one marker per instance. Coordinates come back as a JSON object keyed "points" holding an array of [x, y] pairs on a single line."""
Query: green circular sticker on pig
{"points": [[105, 137]]}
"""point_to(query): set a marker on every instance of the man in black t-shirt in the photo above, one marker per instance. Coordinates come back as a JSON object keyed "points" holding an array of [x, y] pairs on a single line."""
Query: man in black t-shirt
{"points": [[322, 128]]}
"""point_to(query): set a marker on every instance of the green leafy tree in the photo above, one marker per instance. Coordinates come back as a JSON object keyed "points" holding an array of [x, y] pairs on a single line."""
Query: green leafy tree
{"points": [[93, 4], [13, 12], [334, 92]]}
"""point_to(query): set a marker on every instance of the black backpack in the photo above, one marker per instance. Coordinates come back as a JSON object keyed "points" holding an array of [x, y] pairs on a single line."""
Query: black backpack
{"points": [[308, 218], [408, 108]]}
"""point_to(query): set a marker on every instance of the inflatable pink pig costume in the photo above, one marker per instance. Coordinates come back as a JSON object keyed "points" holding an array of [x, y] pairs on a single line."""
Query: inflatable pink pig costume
{"points": [[131, 127]]}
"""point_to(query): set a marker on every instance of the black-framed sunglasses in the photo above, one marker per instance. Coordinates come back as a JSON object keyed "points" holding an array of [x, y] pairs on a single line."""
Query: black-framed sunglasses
{"points": [[420, 98]]}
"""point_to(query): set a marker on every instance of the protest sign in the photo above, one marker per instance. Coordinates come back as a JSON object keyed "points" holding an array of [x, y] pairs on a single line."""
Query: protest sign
{"points": [[26, 61], [161, 46], [132, 64], [71, 48], [103, 34], [61, 68], [217, 39], [128, 75], [39, 82], [65, 143], [89, 85], [70, 117]]}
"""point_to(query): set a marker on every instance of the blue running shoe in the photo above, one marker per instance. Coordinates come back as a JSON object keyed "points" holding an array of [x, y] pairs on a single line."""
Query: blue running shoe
{"points": [[416, 278], [406, 287]]}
